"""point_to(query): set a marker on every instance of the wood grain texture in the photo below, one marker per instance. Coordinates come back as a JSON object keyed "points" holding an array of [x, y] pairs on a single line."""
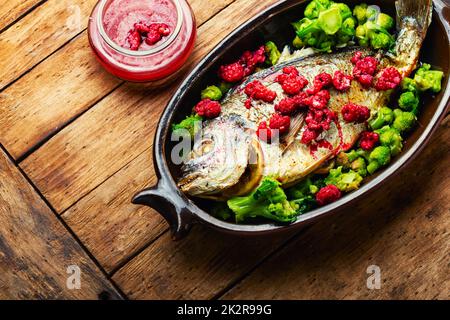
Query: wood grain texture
{"points": [[35, 248], [121, 228], [73, 80], [403, 228], [13, 9], [39, 34], [116, 130], [198, 267]]}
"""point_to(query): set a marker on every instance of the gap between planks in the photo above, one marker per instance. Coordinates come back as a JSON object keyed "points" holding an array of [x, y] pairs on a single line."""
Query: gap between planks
{"points": [[23, 15], [64, 224]]}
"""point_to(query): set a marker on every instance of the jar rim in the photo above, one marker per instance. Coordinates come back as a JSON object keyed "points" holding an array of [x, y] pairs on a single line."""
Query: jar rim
{"points": [[162, 46]]}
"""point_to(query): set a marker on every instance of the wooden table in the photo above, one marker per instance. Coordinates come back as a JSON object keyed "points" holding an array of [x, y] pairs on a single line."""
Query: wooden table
{"points": [[69, 164]]}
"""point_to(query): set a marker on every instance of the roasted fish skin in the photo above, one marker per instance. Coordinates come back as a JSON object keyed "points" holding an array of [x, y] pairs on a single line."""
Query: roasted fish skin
{"points": [[290, 160]]}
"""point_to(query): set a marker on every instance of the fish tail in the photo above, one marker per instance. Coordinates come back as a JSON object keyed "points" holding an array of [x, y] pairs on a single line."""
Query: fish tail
{"points": [[418, 12]]}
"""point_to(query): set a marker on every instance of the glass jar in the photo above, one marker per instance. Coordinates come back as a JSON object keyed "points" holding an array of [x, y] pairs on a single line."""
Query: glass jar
{"points": [[110, 22]]}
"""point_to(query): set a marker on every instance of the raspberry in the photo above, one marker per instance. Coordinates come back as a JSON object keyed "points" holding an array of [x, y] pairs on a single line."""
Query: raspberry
{"points": [[163, 29], [301, 100], [390, 78], [153, 36], [142, 27], [134, 39], [263, 132], [356, 57], [280, 122], [291, 70], [354, 113], [364, 70], [321, 81], [341, 81], [208, 108], [319, 100], [248, 103], [328, 194], [286, 106], [250, 60], [368, 140], [309, 135], [232, 72], [257, 90]]}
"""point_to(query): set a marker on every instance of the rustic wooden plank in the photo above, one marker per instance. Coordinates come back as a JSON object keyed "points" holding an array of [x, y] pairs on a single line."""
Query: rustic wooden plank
{"points": [[121, 228], [37, 35], [13, 9], [116, 130], [35, 248], [403, 228], [74, 81], [198, 267]]}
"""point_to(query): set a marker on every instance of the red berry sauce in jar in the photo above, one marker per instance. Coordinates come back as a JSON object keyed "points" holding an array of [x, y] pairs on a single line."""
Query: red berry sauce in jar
{"points": [[111, 23]]}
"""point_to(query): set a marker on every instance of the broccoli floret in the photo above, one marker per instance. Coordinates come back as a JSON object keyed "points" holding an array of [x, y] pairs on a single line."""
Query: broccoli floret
{"points": [[362, 36], [298, 43], [314, 8], [225, 87], [302, 189], [268, 200], [360, 12], [272, 53], [359, 166], [306, 28], [344, 10], [212, 93], [385, 116], [345, 182], [220, 210], [409, 84], [346, 158], [408, 101], [404, 121], [330, 21], [380, 41], [304, 204], [379, 157], [391, 138], [385, 21], [427, 79], [192, 124]]}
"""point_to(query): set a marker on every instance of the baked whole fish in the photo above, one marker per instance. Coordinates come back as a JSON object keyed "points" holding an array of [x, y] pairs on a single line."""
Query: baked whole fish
{"points": [[229, 159]]}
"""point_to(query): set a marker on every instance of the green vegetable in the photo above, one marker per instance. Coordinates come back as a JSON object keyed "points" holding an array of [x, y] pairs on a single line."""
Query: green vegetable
{"points": [[408, 101], [409, 84], [346, 159], [391, 138], [192, 124], [371, 12], [427, 79], [302, 189], [212, 93], [359, 166], [298, 43], [225, 87], [385, 116], [220, 210], [314, 8], [304, 205], [306, 28], [330, 21], [345, 182], [379, 157], [362, 35], [360, 12], [404, 121], [385, 21], [272, 53], [380, 41], [268, 200]]}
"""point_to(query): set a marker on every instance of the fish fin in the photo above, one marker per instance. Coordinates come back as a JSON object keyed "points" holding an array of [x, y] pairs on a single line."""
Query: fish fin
{"points": [[296, 124], [419, 10]]}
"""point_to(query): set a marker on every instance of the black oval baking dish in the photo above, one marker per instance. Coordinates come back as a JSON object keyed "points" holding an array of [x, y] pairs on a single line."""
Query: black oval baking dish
{"points": [[272, 23]]}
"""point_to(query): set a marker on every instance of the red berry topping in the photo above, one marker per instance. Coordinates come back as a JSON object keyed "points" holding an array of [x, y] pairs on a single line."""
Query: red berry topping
{"points": [[153, 36], [232, 72], [257, 90], [353, 113], [280, 122], [291, 70], [341, 81], [317, 121], [356, 57], [208, 108], [286, 106], [163, 29], [134, 39], [142, 27], [390, 78], [248, 103], [368, 140], [309, 136], [263, 132], [328, 194], [364, 70], [322, 80], [319, 100], [250, 60]]}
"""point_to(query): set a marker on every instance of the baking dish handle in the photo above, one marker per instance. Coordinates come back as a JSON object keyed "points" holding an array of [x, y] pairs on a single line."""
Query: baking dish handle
{"points": [[443, 9], [170, 205]]}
